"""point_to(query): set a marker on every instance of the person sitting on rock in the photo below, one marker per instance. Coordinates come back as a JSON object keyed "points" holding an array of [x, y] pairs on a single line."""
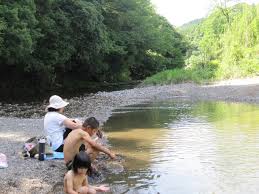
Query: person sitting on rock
{"points": [[83, 136], [56, 125], [76, 181]]}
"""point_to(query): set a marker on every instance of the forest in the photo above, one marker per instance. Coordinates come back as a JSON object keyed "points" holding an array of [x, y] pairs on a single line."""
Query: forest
{"points": [[49, 44], [224, 45], [69, 45]]}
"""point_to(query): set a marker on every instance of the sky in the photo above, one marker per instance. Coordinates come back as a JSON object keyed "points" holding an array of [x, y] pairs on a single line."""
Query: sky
{"points": [[179, 12]]}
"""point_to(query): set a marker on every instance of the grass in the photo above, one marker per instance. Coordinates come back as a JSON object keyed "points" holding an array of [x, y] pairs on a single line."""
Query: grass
{"points": [[204, 74], [181, 75]]}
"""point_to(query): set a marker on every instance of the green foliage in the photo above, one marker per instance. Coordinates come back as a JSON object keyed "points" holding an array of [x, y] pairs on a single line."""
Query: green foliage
{"points": [[142, 41], [47, 42], [232, 43], [19, 31], [224, 45], [178, 75]]}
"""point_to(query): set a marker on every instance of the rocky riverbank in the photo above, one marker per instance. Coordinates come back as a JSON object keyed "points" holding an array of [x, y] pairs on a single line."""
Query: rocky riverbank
{"points": [[20, 122]]}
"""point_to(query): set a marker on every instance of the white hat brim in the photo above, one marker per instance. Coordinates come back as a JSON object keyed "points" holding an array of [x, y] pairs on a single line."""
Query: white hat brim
{"points": [[58, 105]]}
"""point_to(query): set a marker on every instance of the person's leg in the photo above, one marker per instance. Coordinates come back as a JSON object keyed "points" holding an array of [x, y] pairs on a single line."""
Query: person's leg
{"points": [[92, 153], [60, 148], [83, 190], [91, 190]]}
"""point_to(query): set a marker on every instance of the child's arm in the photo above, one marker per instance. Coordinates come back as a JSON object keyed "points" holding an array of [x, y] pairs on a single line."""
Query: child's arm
{"points": [[85, 182], [69, 184], [97, 146]]}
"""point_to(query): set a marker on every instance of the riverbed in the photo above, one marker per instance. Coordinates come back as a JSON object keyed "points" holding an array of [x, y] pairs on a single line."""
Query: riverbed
{"points": [[22, 121]]}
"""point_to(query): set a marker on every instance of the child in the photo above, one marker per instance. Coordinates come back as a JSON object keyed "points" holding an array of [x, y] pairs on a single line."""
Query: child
{"points": [[83, 136], [75, 181]]}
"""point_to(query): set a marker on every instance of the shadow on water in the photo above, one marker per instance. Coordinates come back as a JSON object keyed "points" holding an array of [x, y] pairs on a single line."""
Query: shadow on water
{"points": [[184, 147], [146, 116]]}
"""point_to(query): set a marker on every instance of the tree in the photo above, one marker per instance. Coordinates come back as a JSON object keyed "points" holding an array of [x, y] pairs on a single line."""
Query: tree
{"points": [[48, 43], [224, 7]]}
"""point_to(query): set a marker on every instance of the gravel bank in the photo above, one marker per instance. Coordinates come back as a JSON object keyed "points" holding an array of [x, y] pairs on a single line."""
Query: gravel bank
{"points": [[20, 122]]}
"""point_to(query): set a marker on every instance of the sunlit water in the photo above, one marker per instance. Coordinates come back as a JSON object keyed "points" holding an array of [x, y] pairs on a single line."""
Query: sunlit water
{"points": [[185, 148]]}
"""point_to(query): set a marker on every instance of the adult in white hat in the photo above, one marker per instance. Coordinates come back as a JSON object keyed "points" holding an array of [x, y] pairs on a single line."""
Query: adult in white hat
{"points": [[55, 123]]}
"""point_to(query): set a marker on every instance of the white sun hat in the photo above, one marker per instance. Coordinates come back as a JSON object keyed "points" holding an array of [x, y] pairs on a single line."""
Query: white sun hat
{"points": [[56, 102]]}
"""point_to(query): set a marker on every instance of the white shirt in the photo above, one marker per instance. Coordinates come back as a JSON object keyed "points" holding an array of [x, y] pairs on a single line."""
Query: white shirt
{"points": [[54, 128]]}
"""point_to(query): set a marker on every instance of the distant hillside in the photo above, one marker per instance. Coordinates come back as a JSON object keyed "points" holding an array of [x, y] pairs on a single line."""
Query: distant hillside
{"points": [[190, 24], [227, 41], [221, 46]]}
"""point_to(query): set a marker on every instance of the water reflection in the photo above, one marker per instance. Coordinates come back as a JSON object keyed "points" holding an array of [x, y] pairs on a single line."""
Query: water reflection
{"points": [[180, 147]]}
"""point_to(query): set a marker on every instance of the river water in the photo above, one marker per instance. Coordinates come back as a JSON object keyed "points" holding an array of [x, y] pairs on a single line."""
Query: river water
{"points": [[186, 147]]}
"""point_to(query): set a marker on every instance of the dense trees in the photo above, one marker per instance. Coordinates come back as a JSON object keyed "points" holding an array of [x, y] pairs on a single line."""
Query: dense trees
{"points": [[226, 42], [51, 42], [221, 46]]}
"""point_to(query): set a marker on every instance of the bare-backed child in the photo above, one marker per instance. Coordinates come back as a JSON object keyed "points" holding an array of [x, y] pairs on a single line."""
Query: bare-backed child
{"points": [[75, 180], [83, 136]]}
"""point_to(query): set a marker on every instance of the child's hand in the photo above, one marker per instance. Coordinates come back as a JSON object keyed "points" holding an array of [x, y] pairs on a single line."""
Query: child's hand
{"points": [[112, 155], [103, 188]]}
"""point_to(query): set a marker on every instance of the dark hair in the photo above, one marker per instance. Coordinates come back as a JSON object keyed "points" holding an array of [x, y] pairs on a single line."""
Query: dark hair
{"points": [[50, 109], [92, 122], [82, 160]]}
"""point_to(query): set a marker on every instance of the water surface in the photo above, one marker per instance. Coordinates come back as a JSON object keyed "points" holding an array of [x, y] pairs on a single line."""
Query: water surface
{"points": [[184, 148]]}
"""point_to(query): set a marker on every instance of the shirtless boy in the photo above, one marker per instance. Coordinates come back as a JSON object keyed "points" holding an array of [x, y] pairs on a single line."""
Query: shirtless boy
{"points": [[83, 136]]}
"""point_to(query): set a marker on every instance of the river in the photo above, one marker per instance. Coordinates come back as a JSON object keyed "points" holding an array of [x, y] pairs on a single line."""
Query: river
{"points": [[183, 147]]}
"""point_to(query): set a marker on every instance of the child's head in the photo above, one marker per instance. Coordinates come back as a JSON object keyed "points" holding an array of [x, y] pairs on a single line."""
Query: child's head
{"points": [[82, 163], [91, 125]]}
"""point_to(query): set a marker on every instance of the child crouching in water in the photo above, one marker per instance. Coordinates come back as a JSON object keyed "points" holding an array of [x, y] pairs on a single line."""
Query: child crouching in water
{"points": [[75, 180]]}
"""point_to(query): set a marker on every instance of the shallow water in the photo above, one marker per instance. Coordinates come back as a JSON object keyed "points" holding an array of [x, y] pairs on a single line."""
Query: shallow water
{"points": [[184, 148]]}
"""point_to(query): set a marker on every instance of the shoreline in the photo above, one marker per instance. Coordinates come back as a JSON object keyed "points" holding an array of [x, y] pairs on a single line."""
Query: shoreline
{"points": [[20, 122]]}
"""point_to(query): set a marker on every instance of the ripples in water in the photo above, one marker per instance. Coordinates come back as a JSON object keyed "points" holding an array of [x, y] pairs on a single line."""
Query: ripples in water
{"points": [[179, 147]]}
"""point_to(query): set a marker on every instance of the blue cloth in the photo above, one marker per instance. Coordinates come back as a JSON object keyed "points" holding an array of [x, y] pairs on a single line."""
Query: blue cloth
{"points": [[56, 155]]}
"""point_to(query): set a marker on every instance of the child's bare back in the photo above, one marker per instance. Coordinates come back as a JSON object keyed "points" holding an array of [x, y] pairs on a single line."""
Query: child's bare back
{"points": [[73, 143]]}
